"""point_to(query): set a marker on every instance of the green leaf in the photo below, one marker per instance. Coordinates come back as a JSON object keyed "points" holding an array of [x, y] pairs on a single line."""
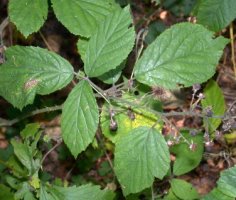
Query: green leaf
{"points": [[187, 159], [6, 193], [183, 55], [23, 153], [44, 195], [183, 189], [81, 17], [216, 194], [4, 156], [17, 168], [127, 119], [30, 130], [180, 8], [154, 29], [30, 71], [141, 156], [227, 184], [28, 15], [109, 77], [80, 118], [84, 192], [111, 43], [82, 46], [214, 98], [216, 14], [170, 196], [24, 192], [112, 76]]}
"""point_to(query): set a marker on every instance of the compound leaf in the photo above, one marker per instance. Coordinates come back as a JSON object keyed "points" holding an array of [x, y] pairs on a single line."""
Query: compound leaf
{"points": [[215, 14], [183, 189], [80, 118], [81, 17], [227, 184], [183, 55], [111, 43], [214, 99], [141, 156], [23, 153], [28, 15], [32, 70]]}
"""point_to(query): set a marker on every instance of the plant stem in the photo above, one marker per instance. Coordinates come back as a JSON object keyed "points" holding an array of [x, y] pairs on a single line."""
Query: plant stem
{"points": [[141, 35], [105, 152], [52, 149], [4, 122], [98, 90], [231, 30], [153, 194], [45, 41], [3, 25]]}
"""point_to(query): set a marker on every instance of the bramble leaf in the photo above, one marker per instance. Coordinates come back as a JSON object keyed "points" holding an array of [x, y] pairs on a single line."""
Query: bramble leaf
{"points": [[25, 156], [109, 77], [183, 55], [216, 194], [227, 184], [214, 99], [215, 14], [183, 189], [85, 192], [82, 46], [28, 15], [80, 118], [30, 130], [81, 17], [141, 156], [187, 159], [32, 70], [111, 43], [128, 119]]}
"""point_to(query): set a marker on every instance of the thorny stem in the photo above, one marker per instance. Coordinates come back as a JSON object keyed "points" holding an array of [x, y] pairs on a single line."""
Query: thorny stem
{"points": [[98, 90], [231, 30], [141, 35], [4, 122], [51, 150], [45, 41], [104, 149], [69, 172], [153, 194], [3, 25], [231, 106]]}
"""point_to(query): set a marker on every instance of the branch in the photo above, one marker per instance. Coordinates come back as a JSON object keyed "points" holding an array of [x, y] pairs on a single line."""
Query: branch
{"points": [[4, 122], [4, 24], [231, 31]]}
